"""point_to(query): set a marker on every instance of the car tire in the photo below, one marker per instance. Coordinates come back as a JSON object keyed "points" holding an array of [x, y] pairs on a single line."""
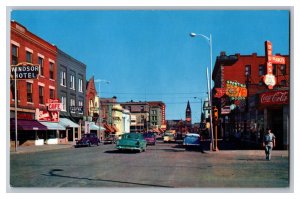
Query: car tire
{"points": [[89, 144]]}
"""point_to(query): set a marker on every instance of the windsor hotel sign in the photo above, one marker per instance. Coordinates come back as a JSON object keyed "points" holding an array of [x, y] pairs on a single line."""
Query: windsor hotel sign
{"points": [[25, 71], [275, 97]]}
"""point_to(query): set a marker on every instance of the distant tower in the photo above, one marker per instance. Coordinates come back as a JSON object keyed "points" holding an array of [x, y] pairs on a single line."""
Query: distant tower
{"points": [[188, 115]]}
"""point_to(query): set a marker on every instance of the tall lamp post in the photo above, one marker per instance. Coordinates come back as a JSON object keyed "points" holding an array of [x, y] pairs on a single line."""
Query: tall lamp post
{"points": [[99, 81], [209, 84]]}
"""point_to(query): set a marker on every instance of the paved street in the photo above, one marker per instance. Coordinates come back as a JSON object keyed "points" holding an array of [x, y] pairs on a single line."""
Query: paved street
{"points": [[165, 165]]}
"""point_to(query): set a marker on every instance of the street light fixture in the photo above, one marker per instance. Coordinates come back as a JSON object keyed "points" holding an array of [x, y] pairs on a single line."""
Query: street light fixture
{"points": [[209, 84]]}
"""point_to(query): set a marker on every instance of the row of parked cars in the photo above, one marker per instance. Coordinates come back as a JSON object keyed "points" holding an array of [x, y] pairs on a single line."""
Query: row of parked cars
{"points": [[138, 141]]}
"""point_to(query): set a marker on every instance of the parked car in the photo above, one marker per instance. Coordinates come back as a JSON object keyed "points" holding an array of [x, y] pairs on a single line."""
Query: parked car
{"points": [[110, 139], [150, 138], [88, 139], [169, 137], [131, 141], [192, 141]]}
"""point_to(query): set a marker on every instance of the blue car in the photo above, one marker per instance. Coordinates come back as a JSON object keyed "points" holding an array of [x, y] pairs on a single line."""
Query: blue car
{"points": [[192, 141]]}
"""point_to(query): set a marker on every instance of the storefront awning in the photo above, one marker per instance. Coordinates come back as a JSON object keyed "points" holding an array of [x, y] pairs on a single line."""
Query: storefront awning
{"points": [[93, 126], [109, 128], [53, 126], [27, 125], [67, 123]]}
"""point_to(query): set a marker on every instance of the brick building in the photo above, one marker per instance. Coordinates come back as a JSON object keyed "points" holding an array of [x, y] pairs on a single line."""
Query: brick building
{"points": [[250, 116], [32, 94]]}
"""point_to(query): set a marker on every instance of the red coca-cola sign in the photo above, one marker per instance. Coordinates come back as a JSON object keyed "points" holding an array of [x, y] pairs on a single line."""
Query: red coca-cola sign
{"points": [[276, 97]]}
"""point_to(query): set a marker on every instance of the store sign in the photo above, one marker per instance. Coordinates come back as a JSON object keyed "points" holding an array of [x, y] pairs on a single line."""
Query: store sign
{"points": [[47, 116], [76, 109], [234, 90], [25, 71], [225, 110], [54, 105], [277, 97], [269, 78]]}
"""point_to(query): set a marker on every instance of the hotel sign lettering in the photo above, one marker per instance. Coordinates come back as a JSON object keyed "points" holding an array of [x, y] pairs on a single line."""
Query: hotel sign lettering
{"points": [[25, 71], [277, 97]]}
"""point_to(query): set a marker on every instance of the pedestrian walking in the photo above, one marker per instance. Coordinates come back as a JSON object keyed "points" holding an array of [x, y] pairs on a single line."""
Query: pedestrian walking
{"points": [[268, 143]]}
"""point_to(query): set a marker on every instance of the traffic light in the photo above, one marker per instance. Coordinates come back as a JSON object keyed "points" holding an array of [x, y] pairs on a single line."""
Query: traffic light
{"points": [[215, 113]]}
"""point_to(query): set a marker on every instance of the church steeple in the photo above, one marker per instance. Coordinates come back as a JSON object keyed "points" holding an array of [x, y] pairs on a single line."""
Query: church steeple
{"points": [[188, 113]]}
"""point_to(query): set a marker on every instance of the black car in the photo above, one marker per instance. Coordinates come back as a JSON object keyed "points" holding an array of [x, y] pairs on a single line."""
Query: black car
{"points": [[88, 139]]}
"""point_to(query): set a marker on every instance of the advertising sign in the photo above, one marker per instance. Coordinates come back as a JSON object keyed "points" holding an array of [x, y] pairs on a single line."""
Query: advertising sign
{"points": [[76, 109], [25, 71], [234, 90], [87, 127], [269, 78], [47, 116], [54, 105], [276, 97]]}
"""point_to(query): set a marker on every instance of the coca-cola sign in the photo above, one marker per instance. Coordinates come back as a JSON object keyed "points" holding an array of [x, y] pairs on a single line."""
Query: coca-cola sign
{"points": [[276, 97]]}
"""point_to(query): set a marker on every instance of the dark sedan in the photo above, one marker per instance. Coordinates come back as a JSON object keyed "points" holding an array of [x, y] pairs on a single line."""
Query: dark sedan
{"points": [[88, 139]]}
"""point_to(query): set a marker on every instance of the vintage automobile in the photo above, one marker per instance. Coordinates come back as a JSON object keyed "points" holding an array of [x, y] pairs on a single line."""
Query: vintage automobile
{"points": [[110, 139], [132, 141], [88, 139], [150, 138], [192, 141], [169, 137]]}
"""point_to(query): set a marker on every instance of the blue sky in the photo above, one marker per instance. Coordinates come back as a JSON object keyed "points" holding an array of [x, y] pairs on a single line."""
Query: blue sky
{"points": [[149, 55]]}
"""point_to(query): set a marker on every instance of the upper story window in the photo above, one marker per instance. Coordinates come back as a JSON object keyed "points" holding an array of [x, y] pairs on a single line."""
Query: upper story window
{"points": [[72, 82], [261, 70], [80, 86], [14, 54], [72, 103], [41, 95], [247, 70], [283, 69], [29, 92], [63, 78], [64, 103], [51, 70], [51, 93], [28, 57], [41, 63]]}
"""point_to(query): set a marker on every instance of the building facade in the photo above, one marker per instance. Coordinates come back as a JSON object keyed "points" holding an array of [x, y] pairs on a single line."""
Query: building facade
{"points": [[252, 115], [157, 114], [71, 88], [139, 111], [32, 94]]}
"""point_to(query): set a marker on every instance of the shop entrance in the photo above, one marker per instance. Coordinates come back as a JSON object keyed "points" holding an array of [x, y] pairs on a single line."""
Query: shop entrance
{"points": [[276, 124]]}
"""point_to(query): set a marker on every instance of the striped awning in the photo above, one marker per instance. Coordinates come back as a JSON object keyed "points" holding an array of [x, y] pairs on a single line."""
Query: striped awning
{"points": [[53, 126], [67, 123]]}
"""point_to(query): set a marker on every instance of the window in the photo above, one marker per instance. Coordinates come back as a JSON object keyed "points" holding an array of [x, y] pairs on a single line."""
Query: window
{"points": [[80, 104], [63, 78], [51, 70], [248, 70], [28, 57], [41, 94], [29, 92], [72, 103], [72, 82], [64, 103], [283, 82], [80, 85], [154, 112], [274, 69], [41, 63], [51, 94], [283, 69], [261, 70], [14, 54]]}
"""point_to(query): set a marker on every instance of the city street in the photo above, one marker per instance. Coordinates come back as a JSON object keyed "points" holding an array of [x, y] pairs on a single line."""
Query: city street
{"points": [[165, 165]]}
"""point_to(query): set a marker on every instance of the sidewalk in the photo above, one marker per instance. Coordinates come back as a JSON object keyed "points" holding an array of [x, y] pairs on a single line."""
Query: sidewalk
{"points": [[38, 148]]}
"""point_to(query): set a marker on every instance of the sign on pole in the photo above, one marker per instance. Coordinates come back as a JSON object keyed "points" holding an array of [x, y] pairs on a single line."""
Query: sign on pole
{"points": [[20, 71]]}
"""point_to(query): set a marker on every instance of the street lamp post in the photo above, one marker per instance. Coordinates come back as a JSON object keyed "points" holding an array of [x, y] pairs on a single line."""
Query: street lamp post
{"points": [[209, 85], [100, 118]]}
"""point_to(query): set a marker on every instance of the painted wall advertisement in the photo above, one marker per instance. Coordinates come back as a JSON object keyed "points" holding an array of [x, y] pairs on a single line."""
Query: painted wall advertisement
{"points": [[52, 112]]}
